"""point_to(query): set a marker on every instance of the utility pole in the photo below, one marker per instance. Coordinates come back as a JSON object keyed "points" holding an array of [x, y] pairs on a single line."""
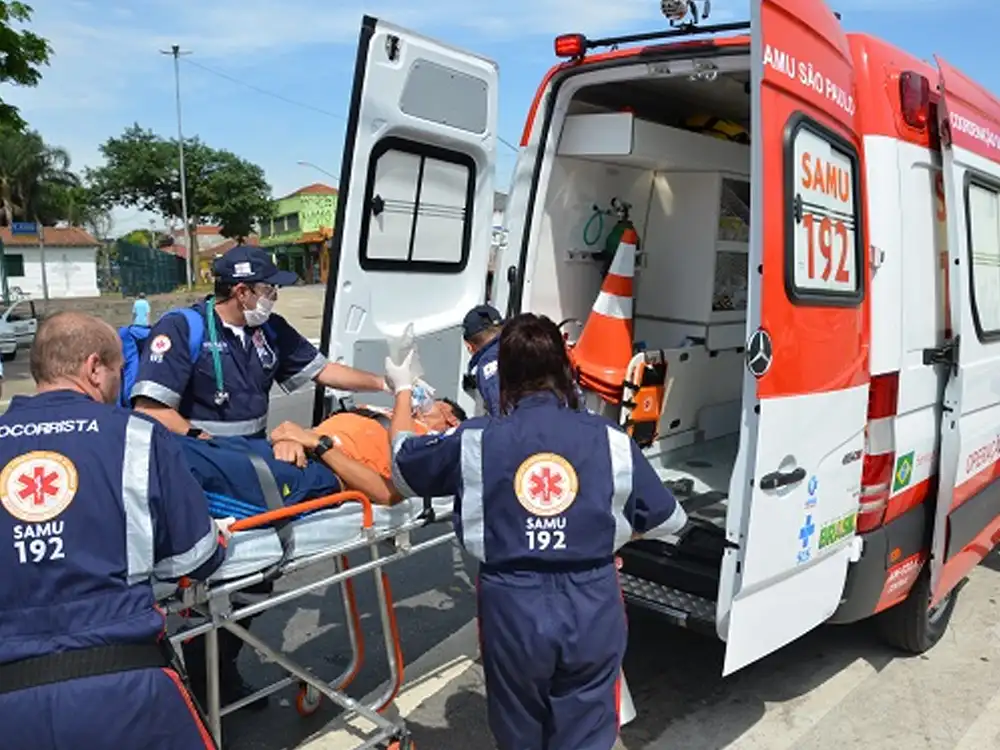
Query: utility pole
{"points": [[175, 52], [41, 252]]}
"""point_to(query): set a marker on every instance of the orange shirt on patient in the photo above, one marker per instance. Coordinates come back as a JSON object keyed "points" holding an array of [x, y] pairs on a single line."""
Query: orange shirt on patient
{"points": [[363, 439]]}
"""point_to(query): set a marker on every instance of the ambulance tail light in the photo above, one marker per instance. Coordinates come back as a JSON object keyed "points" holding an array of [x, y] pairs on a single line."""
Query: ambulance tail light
{"points": [[915, 98], [880, 451], [571, 45]]}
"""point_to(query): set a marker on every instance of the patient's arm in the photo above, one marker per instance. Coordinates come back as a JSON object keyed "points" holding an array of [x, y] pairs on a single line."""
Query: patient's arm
{"points": [[356, 476], [290, 452]]}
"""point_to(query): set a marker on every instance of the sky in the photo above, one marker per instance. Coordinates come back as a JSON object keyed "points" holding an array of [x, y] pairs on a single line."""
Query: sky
{"points": [[270, 79]]}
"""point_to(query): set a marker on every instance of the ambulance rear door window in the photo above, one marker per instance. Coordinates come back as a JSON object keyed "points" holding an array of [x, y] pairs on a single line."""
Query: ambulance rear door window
{"points": [[824, 251], [418, 208]]}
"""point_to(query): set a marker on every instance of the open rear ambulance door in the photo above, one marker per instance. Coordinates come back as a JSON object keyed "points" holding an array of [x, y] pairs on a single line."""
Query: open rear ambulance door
{"points": [[795, 491], [415, 209], [967, 515]]}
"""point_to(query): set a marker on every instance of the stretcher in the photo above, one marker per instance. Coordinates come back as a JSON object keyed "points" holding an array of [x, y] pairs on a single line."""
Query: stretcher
{"points": [[314, 534]]}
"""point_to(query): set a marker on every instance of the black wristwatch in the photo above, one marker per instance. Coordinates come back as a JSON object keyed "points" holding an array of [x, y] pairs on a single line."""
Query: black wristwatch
{"points": [[194, 432], [325, 443]]}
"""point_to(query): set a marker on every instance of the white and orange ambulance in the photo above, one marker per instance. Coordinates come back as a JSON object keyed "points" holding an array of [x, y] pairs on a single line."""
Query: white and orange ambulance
{"points": [[823, 293]]}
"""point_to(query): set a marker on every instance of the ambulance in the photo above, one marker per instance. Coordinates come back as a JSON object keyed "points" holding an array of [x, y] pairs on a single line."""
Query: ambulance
{"points": [[823, 291]]}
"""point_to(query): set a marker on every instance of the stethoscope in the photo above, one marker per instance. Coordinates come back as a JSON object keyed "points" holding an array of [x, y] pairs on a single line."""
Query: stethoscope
{"points": [[221, 395]]}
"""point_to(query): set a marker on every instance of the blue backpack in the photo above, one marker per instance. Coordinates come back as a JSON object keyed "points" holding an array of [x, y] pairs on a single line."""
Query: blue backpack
{"points": [[134, 340]]}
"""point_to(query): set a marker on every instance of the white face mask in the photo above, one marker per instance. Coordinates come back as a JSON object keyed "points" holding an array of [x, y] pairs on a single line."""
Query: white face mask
{"points": [[258, 315]]}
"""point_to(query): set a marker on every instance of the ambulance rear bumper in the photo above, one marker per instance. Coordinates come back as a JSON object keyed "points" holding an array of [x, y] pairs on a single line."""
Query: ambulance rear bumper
{"points": [[909, 534]]}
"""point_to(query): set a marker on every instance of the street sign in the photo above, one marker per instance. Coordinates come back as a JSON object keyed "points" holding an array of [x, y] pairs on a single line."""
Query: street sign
{"points": [[24, 228]]}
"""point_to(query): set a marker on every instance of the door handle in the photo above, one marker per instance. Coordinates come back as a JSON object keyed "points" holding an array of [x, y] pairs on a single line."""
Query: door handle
{"points": [[777, 479]]}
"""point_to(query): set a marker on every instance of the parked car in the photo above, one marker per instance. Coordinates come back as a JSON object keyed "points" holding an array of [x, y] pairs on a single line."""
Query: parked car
{"points": [[8, 342], [18, 326]]}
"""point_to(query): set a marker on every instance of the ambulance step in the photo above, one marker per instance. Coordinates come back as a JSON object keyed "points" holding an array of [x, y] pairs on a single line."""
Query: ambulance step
{"points": [[684, 609]]}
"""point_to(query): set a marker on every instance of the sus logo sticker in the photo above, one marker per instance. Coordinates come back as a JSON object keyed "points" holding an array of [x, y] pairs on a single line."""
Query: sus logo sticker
{"points": [[546, 484], [38, 486]]}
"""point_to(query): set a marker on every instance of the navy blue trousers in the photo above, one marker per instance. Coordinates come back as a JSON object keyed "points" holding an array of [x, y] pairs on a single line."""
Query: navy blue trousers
{"points": [[552, 646], [145, 708]]}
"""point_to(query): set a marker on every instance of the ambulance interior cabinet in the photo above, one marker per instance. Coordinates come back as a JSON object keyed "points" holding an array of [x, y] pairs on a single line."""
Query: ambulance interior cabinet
{"points": [[696, 250]]}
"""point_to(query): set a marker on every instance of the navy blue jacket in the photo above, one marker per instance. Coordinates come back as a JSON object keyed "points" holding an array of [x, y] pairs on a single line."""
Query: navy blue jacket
{"points": [[95, 500], [483, 365], [544, 484], [275, 352]]}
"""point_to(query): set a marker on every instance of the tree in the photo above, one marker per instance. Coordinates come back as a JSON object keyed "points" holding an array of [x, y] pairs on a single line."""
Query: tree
{"points": [[141, 171], [139, 237], [36, 183], [21, 54], [77, 205]]}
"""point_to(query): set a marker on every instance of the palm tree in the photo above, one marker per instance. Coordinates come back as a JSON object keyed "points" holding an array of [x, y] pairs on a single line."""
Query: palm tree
{"points": [[35, 179]]}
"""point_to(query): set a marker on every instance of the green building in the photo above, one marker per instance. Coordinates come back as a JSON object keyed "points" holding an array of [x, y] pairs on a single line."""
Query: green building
{"points": [[300, 230]]}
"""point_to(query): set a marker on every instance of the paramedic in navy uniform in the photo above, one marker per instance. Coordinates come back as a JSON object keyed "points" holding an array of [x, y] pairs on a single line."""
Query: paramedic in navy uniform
{"points": [[545, 495], [481, 330], [94, 500], [227, 394]]}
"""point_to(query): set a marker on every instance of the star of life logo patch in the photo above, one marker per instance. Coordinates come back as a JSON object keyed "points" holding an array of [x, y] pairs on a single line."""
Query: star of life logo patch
{"points": [[160, 345], [546, 484], [38, 486]]}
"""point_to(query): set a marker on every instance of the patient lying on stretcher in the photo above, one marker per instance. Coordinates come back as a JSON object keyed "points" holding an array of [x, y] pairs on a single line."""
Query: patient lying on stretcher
{"points": [[247, 476], [361, 455]]}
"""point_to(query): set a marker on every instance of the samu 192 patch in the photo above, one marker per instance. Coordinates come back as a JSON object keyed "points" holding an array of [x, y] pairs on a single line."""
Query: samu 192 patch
{"points": [[904, 472]]}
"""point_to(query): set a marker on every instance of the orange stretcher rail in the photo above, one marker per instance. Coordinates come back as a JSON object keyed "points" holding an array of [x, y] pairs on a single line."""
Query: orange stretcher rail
{"points": [[320, 503]]}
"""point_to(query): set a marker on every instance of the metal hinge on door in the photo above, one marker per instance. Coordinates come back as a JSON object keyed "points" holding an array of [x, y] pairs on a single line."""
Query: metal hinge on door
{"points": [[944, 355]]}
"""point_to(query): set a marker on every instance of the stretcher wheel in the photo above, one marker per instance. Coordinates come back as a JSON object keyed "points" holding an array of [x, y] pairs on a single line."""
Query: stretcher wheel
{"points": [[308, 700]]}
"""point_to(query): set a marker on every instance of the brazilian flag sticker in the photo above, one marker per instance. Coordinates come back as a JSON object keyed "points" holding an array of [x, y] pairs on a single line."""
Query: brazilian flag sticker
{"points": [[904, 472]]}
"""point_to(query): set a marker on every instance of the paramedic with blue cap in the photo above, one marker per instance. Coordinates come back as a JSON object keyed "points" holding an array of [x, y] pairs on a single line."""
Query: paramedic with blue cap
{"points": [[545, 496], [94, 501], [481, 331], [225, 391]]}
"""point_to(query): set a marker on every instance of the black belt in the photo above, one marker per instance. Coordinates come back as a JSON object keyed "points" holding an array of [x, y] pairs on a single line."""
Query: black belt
{"points": [[86, 662], [544, 566]]}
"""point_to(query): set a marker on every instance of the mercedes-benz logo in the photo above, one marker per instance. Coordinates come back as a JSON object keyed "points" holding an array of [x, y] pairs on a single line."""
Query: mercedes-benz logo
{"points": [[759, 353]]}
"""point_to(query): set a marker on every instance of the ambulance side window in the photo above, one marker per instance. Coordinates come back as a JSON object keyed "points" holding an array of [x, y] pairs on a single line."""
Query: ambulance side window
{"points": [[982, 206], [418, 208], [824, 251]]}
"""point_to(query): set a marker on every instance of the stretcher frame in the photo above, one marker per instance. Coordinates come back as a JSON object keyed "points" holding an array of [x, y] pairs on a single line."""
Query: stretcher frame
{"points": [[214, 603]]}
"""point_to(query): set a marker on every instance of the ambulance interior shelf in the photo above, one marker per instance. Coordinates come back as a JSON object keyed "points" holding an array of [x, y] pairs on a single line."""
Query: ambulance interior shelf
{"points": [[689, 199], [688, 195]]}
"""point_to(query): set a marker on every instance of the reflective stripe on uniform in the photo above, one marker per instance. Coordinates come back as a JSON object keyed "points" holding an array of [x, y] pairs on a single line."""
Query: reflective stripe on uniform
{"points": [[473, 530], [620, 449], [243, 428], [171, 568], [677, 520], [135, 498], [398, 480], [304, 376], [159, 393]]}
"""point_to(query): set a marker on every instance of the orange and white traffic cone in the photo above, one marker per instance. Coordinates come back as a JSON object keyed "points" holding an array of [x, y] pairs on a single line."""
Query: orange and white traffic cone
{"points": [[604, 349]]}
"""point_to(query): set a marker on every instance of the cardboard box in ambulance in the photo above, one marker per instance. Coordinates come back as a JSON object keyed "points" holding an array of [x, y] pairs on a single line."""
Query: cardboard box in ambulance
{"points": [[821, 283]]}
